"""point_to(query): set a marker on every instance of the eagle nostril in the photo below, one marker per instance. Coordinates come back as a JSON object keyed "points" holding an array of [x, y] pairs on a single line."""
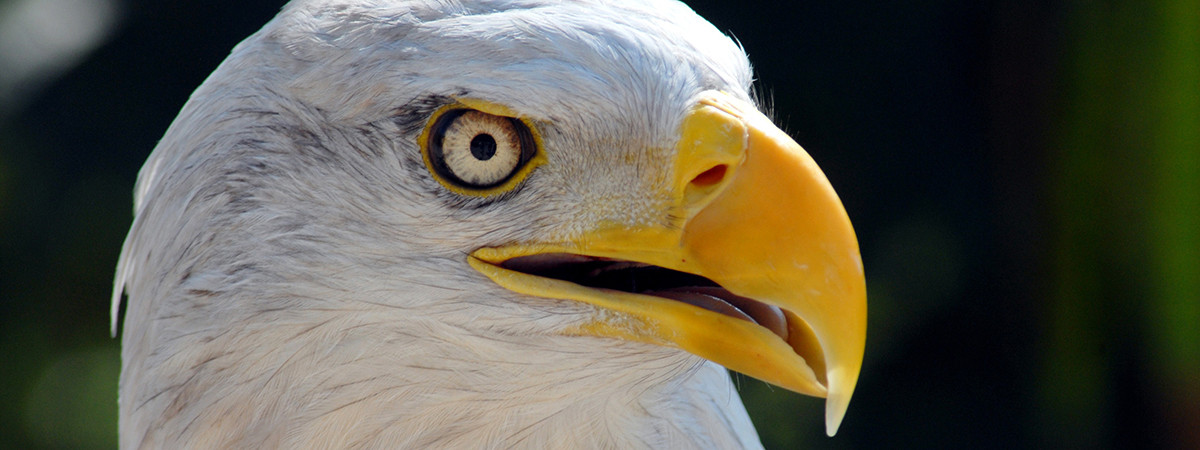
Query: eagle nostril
{"points": [[710, 177], [701, 188]]}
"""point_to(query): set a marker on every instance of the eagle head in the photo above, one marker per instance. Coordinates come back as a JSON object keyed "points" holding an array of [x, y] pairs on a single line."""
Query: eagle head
{"points": [[487, 222]]}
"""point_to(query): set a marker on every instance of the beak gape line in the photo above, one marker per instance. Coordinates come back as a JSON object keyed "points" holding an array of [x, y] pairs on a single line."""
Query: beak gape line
{"points": [[638, 278]]}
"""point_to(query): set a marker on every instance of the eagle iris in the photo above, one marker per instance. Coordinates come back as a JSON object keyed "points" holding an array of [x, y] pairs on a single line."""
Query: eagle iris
{"points": [[477, 150]]}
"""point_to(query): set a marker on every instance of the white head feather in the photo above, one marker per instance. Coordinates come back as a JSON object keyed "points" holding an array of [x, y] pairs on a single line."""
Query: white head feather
{"points": [[297, 278]]}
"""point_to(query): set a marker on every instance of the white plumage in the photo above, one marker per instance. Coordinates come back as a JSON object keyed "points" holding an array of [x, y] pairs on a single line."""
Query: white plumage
{"points": [[297, 278]]}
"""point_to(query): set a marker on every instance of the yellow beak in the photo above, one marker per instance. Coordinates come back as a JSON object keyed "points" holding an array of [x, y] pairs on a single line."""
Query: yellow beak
{"points": [[758, 217]]}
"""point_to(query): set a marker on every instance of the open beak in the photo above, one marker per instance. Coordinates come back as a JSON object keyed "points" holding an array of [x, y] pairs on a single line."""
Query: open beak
{"points": [[761, 274]]}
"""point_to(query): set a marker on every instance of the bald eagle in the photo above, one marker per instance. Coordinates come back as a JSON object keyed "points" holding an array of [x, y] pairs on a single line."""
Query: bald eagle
{"points": [[480, 223]]}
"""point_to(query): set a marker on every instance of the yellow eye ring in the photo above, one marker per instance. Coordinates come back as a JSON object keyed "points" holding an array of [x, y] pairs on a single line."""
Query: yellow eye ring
{"points": [[471, 150]]}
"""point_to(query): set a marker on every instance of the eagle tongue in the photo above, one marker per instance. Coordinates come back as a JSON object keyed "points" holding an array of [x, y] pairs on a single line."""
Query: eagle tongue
{"points": [[720, 300]]}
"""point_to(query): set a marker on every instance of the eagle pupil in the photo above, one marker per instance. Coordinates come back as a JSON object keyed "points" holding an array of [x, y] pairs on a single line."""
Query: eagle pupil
{"points": [[483, 146]]}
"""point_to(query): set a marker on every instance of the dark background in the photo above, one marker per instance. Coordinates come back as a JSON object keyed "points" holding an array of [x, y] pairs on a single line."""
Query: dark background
{"points": [[1024, 177]]}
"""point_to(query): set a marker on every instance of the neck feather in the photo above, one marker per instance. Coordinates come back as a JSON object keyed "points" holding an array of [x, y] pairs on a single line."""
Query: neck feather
{"points": [[370, 380]]}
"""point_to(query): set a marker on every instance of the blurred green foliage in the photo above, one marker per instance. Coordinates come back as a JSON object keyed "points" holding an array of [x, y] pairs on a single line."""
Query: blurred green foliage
{"points": [[1024, 178], [1126, 295]]}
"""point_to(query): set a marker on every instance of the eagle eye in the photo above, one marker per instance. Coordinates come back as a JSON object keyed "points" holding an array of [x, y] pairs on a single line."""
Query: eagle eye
{"points": [[473, 152]]}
